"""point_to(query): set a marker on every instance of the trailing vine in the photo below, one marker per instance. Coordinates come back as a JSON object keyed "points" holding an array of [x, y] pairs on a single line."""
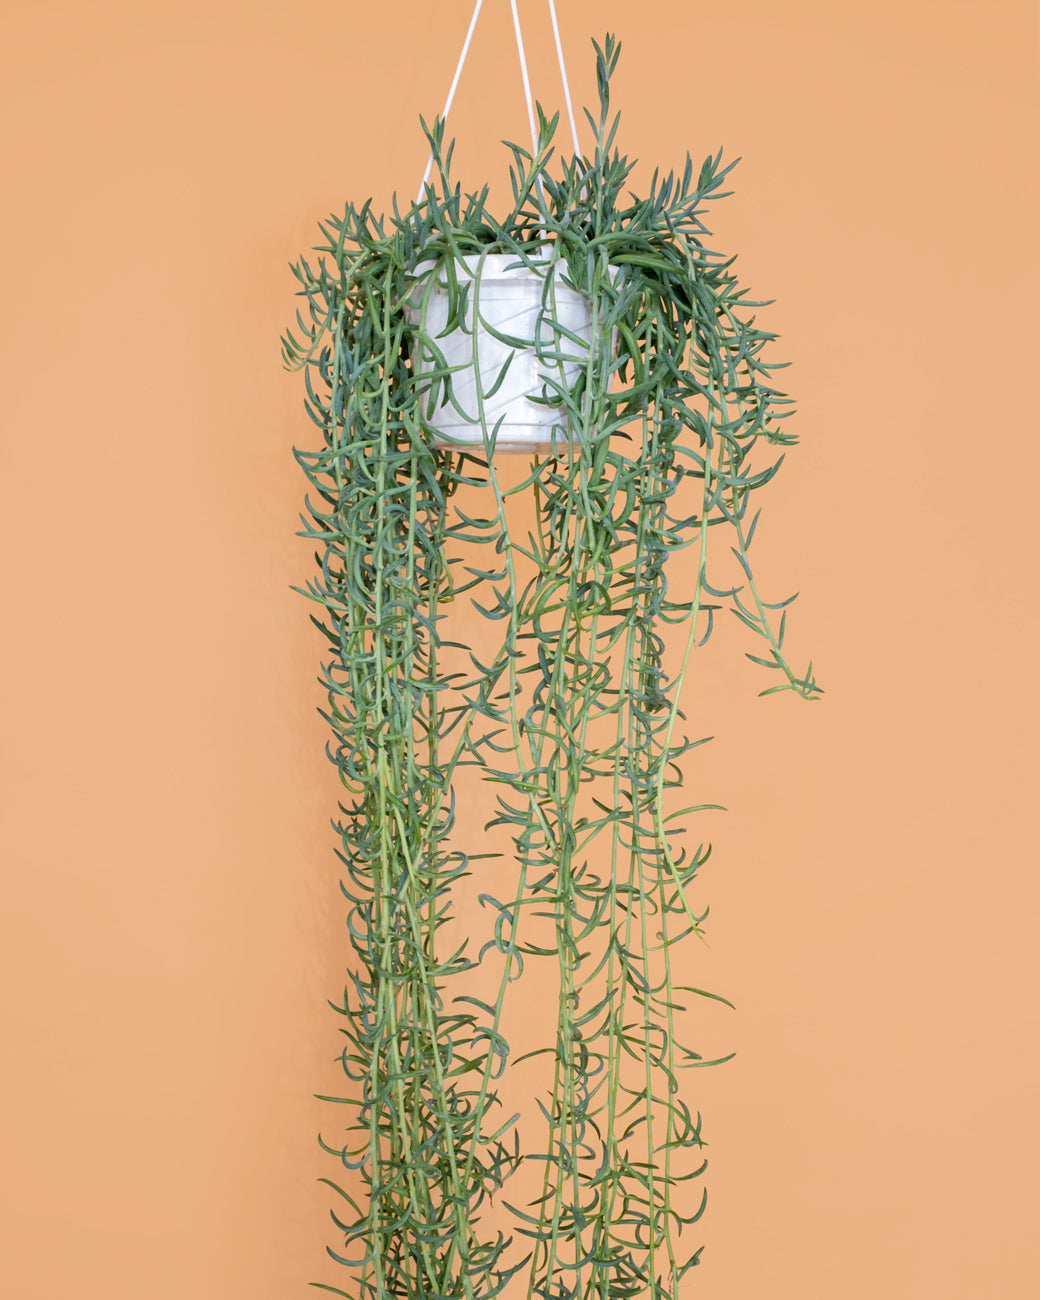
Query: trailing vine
{"points": [[572, 715]]}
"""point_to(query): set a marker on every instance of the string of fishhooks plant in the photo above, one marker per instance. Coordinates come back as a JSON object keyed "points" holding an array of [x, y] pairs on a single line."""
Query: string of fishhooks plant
{"points": [[569, 709]]}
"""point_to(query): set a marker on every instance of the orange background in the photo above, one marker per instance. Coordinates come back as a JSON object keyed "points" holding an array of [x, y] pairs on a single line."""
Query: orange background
{"points": [[172, 921]]}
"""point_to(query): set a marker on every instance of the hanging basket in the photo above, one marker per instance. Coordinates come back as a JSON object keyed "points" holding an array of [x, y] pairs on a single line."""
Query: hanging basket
{"points": [[497, 382]]}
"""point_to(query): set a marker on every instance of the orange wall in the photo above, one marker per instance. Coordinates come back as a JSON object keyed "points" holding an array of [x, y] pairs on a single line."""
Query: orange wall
{"points": [[170, 901]]}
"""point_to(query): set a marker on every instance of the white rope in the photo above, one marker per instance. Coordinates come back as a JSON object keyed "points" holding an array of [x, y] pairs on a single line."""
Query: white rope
{"points": [[527, 83], [451, 92], [523, 73], [563, 78]]}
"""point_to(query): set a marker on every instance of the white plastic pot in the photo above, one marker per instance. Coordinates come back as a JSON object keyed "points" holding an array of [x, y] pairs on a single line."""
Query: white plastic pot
{"points": [[513, 300]]}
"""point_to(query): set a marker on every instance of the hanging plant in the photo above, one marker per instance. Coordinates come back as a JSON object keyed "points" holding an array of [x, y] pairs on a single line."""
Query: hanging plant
{"points": [[640, 414]]}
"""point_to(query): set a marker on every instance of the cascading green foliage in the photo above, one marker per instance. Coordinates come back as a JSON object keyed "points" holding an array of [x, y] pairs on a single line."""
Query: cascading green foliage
{"points": [[570, 710]]}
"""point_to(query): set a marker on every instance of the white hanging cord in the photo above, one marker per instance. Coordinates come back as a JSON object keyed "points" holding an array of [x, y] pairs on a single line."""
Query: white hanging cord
{"points": [[451, 92], [563, 78], [526, 80], [523, 73]]}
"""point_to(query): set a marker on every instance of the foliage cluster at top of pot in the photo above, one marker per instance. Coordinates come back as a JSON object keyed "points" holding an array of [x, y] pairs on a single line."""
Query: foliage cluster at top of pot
{"points": [[679, 317], [571, 712]]}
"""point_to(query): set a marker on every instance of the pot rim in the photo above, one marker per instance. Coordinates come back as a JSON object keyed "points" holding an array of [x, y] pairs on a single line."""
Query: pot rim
{"points": [[496, 266]]}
